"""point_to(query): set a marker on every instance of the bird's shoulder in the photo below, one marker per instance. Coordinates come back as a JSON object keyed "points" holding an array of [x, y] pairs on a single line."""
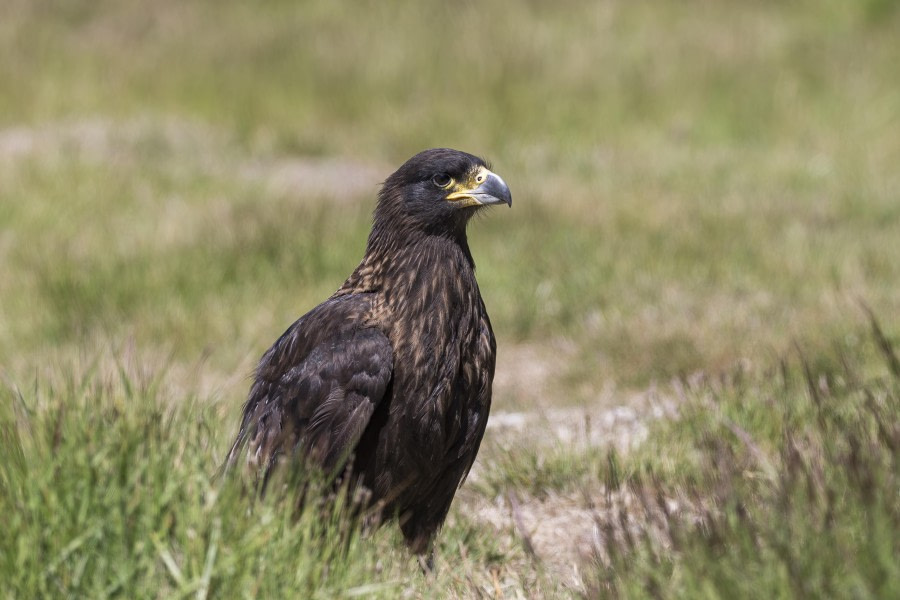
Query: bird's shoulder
{"points": [[318, 385], [328, 325]]}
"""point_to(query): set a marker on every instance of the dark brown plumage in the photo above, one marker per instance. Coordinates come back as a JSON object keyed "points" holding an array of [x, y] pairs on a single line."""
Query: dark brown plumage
{"points": [[388, 382]]}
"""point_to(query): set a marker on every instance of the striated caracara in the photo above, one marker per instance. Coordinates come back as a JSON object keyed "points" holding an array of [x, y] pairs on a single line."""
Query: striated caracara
{"points": [[388, 382]]}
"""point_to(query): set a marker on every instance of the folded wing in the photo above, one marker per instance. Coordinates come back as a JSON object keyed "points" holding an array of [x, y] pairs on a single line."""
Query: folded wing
{"points": [[316, 390]]}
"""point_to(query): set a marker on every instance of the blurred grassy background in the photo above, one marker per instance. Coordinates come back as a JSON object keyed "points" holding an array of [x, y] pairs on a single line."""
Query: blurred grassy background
{"points": [[692, 185], [697, 185]]}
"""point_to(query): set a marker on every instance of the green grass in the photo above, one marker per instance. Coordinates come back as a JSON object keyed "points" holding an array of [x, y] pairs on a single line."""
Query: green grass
{"points": [[108, 490], [700, 189], [790, 486]]}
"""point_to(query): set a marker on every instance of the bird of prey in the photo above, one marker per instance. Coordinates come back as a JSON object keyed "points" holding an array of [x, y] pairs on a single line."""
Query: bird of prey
{"points": [[387, 384]]}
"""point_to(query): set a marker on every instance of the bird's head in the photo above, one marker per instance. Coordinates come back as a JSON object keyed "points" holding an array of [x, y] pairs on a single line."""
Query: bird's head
{"points": [[439, 190]]}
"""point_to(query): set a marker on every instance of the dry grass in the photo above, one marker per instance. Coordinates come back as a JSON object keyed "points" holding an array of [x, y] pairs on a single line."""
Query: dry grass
{"points": [[698, 189]]}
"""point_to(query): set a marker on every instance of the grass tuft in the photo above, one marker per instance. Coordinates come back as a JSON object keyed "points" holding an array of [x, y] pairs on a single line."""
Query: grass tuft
{"points": [[110, 489], [786, 491]]}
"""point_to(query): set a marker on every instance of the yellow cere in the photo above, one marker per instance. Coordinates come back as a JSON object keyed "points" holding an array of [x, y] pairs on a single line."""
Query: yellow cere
{"points": [[461, 191]]}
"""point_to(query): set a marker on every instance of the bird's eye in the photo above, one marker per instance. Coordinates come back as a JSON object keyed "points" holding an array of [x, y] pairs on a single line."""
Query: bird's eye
{"points": [[442, 180]]}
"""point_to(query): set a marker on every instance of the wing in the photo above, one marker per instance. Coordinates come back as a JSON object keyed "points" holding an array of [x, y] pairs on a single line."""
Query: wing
{"points": [[316, 388]]}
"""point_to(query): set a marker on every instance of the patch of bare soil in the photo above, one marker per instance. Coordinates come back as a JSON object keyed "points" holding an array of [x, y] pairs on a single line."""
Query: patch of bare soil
{"points": [[562, 535], [560, 532], [333, 178], [103, 139], [527, 404], [193, 146]]}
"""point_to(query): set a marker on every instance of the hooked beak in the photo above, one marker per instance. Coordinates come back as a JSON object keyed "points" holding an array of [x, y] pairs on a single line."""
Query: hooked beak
{"points": [[489, 188]]}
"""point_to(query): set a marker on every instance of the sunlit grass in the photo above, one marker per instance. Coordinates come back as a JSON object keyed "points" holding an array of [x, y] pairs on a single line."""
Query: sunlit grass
{"points": [[699, 189], [776, 487], [112, 486]]}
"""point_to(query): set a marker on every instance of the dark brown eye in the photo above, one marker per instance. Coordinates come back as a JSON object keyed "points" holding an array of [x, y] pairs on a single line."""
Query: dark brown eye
{"points": [[442, 180]]}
